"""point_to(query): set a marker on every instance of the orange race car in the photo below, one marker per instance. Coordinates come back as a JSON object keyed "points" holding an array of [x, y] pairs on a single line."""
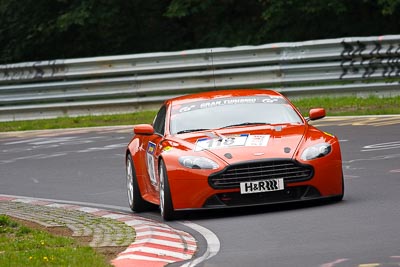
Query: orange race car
{"points": [[228, 149]]}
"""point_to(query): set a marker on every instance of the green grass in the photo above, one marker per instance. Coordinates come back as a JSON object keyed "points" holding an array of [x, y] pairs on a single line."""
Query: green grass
{"points": [[345, 106], [334, 106], [84, 121], [22, 246]]}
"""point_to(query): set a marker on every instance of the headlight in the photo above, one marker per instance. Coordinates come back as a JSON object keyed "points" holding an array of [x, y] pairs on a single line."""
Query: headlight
{"points": [[194, 162], [316, 151]]}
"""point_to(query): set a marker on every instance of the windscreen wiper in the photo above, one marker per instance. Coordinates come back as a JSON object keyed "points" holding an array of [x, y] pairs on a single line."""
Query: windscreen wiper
{"points": [[246, 124], [191, 130]]}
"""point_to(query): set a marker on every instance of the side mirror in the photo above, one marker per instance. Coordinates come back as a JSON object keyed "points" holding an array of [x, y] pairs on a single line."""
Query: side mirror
{"points": [[317, 113], [144, 129]]}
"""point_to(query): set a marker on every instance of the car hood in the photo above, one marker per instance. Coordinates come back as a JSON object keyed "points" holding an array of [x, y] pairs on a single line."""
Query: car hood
{"points": [[250, 143]]}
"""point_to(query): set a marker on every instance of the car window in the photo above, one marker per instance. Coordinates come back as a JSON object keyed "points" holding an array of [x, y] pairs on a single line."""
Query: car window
{"points": [[159, 121]]}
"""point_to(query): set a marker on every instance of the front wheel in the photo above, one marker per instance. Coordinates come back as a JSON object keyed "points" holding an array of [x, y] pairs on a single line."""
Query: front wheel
{"points": [[166, 207], [136, 202]]}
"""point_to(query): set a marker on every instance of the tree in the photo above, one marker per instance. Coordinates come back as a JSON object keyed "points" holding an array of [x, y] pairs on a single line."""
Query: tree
{"points": [[55, 29], [49, 29]]}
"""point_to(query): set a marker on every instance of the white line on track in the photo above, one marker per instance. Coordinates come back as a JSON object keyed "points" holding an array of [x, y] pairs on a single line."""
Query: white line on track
{"points": [[213, 244]]}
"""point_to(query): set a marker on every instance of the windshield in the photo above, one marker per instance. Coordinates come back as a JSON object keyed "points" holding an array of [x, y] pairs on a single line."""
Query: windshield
{"points": [[227, 112]]}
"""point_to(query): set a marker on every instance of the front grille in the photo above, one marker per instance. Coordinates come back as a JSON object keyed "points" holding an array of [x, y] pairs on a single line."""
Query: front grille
{"points": [[235, 199], [231, 177]]}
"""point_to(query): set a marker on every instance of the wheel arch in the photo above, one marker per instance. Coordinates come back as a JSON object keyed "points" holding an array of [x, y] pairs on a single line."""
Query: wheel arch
{"points": [[137, 171]]}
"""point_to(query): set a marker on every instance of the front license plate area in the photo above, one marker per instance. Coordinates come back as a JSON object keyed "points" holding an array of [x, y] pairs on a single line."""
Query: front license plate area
{"points": [[262, 186]]}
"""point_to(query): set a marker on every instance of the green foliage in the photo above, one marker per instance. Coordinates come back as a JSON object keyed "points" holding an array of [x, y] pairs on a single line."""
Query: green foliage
{"points": [[6, 222], [22, 246], [183, 8], [389, 7], [296, 20], [56, 29], [218, 23]]}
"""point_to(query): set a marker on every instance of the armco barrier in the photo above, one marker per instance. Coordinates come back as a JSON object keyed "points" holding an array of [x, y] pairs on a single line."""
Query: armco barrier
{"points": [[128, 83]]}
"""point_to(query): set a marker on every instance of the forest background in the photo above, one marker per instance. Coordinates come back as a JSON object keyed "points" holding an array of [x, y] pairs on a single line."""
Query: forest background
{"points": [[34, 30]]}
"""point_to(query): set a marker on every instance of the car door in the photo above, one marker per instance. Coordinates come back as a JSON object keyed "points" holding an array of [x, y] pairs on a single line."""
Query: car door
{"points": [[152, 149]]}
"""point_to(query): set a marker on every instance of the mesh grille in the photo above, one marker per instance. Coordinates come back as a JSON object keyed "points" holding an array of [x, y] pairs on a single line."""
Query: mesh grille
{"points": [[232, 176]]}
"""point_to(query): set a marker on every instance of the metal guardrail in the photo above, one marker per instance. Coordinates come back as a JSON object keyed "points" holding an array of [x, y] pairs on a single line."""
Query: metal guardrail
{"points": [[128, 83]]}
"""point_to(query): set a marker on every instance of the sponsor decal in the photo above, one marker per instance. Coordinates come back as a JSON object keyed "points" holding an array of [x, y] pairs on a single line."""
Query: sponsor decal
{"points": [[167, 149], [231, 141], [262, 186], [228, 101], [329, 134], [151, 147]]}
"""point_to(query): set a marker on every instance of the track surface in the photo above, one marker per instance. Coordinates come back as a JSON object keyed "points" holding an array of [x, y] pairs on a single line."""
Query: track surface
{"points": [[87, 165]]}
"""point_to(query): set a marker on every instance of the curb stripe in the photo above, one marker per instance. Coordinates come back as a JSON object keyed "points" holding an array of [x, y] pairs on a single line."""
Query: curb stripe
{"points": [[156, 244], [172, 245], [158, 257], [151, 239], [159, 237], [157, 252], [161, 245], [150, 260], [158, 233], [160, 229]]}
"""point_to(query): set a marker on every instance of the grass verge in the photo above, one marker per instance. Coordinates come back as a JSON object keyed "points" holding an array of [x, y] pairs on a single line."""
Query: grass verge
{"points": [[334, 106], [23, 246], [346, 106]]}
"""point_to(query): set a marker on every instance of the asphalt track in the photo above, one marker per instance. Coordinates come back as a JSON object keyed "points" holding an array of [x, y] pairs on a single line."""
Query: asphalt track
{"points": [[87, 165]]}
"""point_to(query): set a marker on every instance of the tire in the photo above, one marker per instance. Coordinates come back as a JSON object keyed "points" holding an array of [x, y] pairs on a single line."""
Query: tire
{"points": [[166, 207], [136, 202]]}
